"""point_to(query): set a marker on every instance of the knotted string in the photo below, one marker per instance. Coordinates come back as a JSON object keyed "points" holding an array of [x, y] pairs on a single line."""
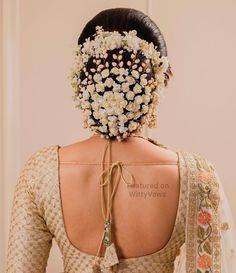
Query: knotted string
{"points": [[111, 191]]}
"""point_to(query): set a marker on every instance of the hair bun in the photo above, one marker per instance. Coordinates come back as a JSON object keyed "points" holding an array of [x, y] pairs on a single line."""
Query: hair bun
{"points": [[118, 79]]}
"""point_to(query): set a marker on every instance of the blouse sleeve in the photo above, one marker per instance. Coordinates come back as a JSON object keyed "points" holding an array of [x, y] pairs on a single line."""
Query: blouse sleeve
{"points": [[210, 245], [203, 251], [29, 239]]}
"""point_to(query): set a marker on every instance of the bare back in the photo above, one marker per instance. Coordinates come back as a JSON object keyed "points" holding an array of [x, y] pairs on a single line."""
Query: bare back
{"points": [[143, 216]]}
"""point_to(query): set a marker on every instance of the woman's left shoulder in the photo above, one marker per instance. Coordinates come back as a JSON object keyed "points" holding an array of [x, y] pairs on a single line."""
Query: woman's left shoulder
{"points": [[198, 160]]}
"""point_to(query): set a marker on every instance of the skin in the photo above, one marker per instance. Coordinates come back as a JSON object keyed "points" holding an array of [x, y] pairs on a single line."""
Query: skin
{"points": [[142, 225]]}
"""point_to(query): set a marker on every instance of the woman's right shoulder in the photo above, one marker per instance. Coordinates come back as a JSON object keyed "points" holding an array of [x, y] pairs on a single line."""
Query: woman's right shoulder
{"points": [[40, 156], [38, 164]]}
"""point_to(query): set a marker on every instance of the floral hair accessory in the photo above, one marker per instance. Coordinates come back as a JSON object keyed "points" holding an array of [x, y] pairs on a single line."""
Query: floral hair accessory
{"points": [[118, 95]]}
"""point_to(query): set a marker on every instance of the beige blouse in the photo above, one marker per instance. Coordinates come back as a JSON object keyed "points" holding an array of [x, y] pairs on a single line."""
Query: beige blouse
{"points": [[37, 218]]}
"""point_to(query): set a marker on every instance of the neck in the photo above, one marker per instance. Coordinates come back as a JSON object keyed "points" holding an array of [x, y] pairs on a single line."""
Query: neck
{"points": [[138, 134]]}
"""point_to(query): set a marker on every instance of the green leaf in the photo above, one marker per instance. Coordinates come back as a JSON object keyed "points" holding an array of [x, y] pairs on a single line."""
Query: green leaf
{"points": [[200, 232], [207, 247]]}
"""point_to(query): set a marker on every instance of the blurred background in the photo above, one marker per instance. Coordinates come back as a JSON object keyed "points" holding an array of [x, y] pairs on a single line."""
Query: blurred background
{"points": [[37, 42]]}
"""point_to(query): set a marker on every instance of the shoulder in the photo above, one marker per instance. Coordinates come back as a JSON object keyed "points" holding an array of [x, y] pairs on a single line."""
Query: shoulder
{"points": [[38, 163], [40, 157], [197, 160], [203, 179]]}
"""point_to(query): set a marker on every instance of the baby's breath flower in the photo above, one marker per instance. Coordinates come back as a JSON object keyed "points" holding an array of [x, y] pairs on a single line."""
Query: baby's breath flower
{"points": [[139, 99], [125, 87], [137, 88], [120, 78], [105, 73], [100, 87], [135, 74], [97, 77], [130, 80], [115, 70], [90, 88], [129, 94], [144, 109], [132, 125], [109, 82]]}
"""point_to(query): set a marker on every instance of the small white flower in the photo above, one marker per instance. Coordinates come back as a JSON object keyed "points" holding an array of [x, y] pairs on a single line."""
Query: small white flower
{"points": [[123, 71], [133, 106], [95, 105], [132, 125], [112, 118], [114, 131], [91, 121], [130, 115], [135, 74], [120, 78], [147, 90], [114, 103], [85, 81], [96, 114], [122, 129], [144, 109], [130, 95], [116, 87], [111, 124], [123, 118], [85, 104], [102, 112], [143, 82], [109, 82], [125, 87], [139, 99], [130, 80], [105, 73], [108, 95], [136, 106], [115, 70], [100, 87], [146, 99], [103, 128], [103, 120], [137, 114], [95, 97], [100, 67], [137, 88], [86, 95], [90, 88], [97, 77]]}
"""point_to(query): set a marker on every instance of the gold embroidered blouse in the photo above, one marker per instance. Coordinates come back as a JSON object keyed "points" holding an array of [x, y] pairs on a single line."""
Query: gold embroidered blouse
{"points": [[37, 218]]}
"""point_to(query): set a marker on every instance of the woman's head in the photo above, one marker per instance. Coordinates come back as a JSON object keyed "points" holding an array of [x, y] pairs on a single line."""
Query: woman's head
{"points": [[119, 72]]}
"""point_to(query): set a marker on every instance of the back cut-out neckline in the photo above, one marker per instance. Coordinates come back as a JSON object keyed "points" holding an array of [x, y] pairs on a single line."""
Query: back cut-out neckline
{"points": [[128, 258], [123, 163]]}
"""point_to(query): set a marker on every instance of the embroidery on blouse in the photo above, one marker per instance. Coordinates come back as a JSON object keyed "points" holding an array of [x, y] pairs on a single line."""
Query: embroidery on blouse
{"points": [[203, 227]]}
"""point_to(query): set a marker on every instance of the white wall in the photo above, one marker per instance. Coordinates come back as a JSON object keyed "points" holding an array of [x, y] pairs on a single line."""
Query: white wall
{"points": [[37, 42]]}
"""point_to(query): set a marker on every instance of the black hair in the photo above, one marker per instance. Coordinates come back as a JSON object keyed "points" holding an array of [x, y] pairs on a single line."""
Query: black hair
{"points": [[125, 19]]}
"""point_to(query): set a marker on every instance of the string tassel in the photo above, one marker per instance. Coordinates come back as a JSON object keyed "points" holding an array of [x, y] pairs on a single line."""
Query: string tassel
{"points": [[110, 257]]}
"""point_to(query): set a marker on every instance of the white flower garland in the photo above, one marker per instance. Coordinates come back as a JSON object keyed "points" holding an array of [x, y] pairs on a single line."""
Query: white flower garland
{"points": [[116, 112]]}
